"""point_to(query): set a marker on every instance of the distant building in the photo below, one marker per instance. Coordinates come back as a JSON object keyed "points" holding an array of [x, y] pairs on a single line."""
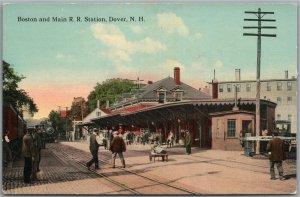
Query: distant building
{"points": [[281, 91], [96, 113]]}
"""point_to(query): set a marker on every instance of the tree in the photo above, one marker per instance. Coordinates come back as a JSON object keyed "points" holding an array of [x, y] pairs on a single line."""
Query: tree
{"points": [[79, 110], [107, 91], [11, 92], [59, 124]]}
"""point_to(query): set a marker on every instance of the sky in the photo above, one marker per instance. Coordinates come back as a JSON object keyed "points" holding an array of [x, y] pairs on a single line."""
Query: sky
{"points": [[63, 60]]}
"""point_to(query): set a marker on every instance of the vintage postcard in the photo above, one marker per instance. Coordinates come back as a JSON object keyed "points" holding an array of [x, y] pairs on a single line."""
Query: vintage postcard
{"points": [[149, 98]]}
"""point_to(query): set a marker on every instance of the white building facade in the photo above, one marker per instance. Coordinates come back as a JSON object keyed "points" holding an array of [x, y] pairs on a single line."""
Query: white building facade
{"points": [[283, 92]]}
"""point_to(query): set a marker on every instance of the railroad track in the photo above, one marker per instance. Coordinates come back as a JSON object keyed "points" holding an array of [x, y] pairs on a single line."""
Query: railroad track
{"points": [[105, 159], [151, 182]]}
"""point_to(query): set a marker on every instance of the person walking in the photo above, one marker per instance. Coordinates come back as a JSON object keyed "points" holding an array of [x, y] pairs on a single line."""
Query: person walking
{"points": [[94, 146], [188, 142], [117, 147], [27, 154], [276, 147]]}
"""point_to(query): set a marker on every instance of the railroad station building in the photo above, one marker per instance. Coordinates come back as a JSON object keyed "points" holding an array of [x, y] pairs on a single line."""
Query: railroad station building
{"points": [[171, 105]]}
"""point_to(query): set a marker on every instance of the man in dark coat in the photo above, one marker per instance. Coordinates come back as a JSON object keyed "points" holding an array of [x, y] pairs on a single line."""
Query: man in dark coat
{"points": [[27, 154], [117, 147], [94, 146], [188, 142], [36, 153], [275, 146]]}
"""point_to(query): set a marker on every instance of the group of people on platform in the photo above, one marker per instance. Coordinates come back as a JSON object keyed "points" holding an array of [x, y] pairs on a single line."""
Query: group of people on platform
{"points": [[32, 145], [116, 145], [31, 151]]}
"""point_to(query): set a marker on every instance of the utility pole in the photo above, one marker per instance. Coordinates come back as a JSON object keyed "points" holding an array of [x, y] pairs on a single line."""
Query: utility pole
{"points": [[138, 82], [259, 14]]}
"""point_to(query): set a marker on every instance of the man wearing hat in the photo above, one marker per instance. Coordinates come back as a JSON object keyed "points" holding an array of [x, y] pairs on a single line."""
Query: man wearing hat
{"points": [[94, 145], [275, 146], [117, 147], [27, 154]]}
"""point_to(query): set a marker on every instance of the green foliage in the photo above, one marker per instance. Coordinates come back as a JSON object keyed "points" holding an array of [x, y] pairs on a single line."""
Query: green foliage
{"points": [[108, 90], [79, 110], [59, 124], [11, 92]]}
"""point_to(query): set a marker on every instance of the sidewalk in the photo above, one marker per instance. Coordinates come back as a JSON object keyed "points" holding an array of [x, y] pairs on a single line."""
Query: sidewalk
{"points": [[204, 171]]}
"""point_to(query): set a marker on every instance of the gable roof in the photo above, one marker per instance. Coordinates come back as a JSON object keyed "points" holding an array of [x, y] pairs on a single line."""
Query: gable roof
{"points": [[93, 114], [168, 83]]}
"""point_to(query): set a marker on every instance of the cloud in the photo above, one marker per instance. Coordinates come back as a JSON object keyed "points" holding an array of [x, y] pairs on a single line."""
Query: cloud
{"points": [[149, 46], [170, 23], [114, 38], [136, 29], [116, 55]]}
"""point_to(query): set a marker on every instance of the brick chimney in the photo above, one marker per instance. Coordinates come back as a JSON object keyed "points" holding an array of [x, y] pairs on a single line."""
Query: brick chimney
{"points": [[215, 86], [286, 74], [98, 104], [177, 75]]}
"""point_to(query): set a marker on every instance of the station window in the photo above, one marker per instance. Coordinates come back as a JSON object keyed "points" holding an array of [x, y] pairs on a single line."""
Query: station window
{"points": [[231, 128], [161, 97], [178, 96], [289, 117], [228, 87], [98, 114], [289, 85], [289, 100], [278, 116], [248, 87], [221, 88], [269, 86], [279, 100], [279, 86]]}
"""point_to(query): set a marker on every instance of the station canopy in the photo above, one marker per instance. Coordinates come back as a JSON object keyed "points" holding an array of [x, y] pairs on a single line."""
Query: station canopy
{"points": [[175, 111]]}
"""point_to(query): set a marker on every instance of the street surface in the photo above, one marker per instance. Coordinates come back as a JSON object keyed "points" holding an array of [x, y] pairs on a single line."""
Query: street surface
{"points": [[63, 171]]}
